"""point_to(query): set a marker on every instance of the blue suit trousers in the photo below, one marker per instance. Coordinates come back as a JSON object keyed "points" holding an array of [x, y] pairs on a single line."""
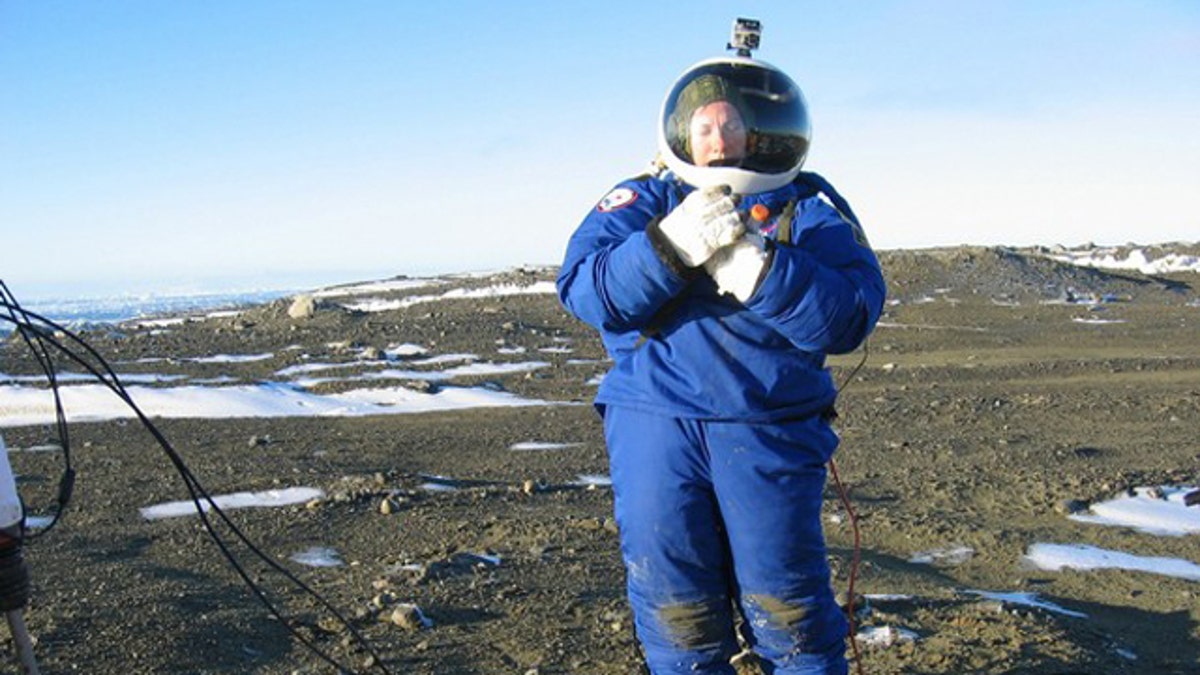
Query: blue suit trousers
{"points": [[721, 522]]}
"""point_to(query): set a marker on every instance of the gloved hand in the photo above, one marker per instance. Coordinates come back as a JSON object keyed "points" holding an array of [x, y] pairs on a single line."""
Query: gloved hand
{"points": [[705, 221], [736, 268]]}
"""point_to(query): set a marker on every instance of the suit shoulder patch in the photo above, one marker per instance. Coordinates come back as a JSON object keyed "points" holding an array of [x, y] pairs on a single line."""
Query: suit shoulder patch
{"points": [[619, 198]]}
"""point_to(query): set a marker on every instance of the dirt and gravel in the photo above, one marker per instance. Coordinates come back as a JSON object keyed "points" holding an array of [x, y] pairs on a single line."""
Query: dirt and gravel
{"points": [[1001, 391]]}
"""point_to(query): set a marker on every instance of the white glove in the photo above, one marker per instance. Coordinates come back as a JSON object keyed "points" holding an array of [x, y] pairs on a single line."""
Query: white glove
{"points": [[705, 221], [737, 267]]}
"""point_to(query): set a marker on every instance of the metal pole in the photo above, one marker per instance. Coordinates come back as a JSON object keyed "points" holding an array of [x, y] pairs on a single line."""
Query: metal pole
{"points": [[24, 644]]}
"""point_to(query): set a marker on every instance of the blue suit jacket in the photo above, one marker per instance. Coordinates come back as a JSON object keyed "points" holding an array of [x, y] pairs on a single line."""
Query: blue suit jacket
{"points": [[680, 348]]}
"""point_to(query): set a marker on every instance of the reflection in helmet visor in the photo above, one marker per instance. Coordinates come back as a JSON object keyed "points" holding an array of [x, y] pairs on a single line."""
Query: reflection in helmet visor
{"points": [[771, 109]]}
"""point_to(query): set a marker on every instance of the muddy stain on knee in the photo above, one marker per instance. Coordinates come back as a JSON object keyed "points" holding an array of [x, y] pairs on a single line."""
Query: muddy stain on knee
{"points": [[699, 624], [780, 613]]}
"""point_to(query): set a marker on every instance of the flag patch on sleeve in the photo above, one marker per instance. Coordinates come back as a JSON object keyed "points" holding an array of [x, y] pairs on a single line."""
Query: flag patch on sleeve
{"points": [[617, 199]]}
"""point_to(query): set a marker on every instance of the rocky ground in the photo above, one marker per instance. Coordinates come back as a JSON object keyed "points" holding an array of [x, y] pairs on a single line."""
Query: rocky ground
{"points": [[992, 402]]}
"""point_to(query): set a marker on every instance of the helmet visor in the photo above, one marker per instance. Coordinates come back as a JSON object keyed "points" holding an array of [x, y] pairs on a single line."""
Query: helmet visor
{"points": [[737, 114]]}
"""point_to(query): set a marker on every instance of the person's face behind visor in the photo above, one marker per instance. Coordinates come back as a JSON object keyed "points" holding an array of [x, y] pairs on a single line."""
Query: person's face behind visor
{"points": [[717, 135]]}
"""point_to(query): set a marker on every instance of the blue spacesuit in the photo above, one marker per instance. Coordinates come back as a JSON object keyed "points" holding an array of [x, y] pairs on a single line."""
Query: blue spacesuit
{"points": [[717, 408]]}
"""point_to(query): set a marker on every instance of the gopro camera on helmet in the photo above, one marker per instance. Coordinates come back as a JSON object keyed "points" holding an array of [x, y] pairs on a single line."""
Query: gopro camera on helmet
{"points": [[746, 35]]}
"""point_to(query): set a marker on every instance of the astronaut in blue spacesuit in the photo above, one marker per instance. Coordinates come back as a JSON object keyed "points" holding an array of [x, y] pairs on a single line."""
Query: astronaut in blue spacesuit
{"points": [[719, 282]]}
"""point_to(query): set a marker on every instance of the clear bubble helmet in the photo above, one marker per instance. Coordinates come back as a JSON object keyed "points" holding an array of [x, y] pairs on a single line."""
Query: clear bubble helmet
{"points": [[768, 135]]}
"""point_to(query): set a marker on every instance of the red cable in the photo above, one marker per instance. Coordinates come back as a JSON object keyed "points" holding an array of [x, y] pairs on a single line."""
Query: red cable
{"points": [[854, 560]]}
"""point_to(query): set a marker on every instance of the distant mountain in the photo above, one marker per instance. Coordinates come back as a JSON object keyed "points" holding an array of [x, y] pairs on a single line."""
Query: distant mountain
{"points": [[1166, 271]]}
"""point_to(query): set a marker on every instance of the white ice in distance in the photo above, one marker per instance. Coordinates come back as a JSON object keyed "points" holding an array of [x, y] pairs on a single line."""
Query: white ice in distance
{"points": [[68, 378], [236, 500], [487, 558], [1028, 600], [542, 445], [1057, 557], [470, 369], [1147, 512], [501, 290], [1107, 258], [386, 286], [25, 406], [318, 556], [404, 350], [232, 358], [1158, 511], [951, 556], [438, 487]]}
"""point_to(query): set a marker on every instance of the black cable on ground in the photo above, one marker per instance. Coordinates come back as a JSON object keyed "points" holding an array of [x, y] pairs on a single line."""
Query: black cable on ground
{"points": [[33, 328]]}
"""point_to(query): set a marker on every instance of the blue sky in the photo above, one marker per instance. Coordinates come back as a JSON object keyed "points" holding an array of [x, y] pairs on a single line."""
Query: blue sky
{"points": [[172, 145]]}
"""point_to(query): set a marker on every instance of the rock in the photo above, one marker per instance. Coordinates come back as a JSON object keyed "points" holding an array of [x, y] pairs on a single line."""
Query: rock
{"points": [[303, 307], [383, 600], [330, 624], [409, 617], [421, 386], [1072, 506], [589, 524]]}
